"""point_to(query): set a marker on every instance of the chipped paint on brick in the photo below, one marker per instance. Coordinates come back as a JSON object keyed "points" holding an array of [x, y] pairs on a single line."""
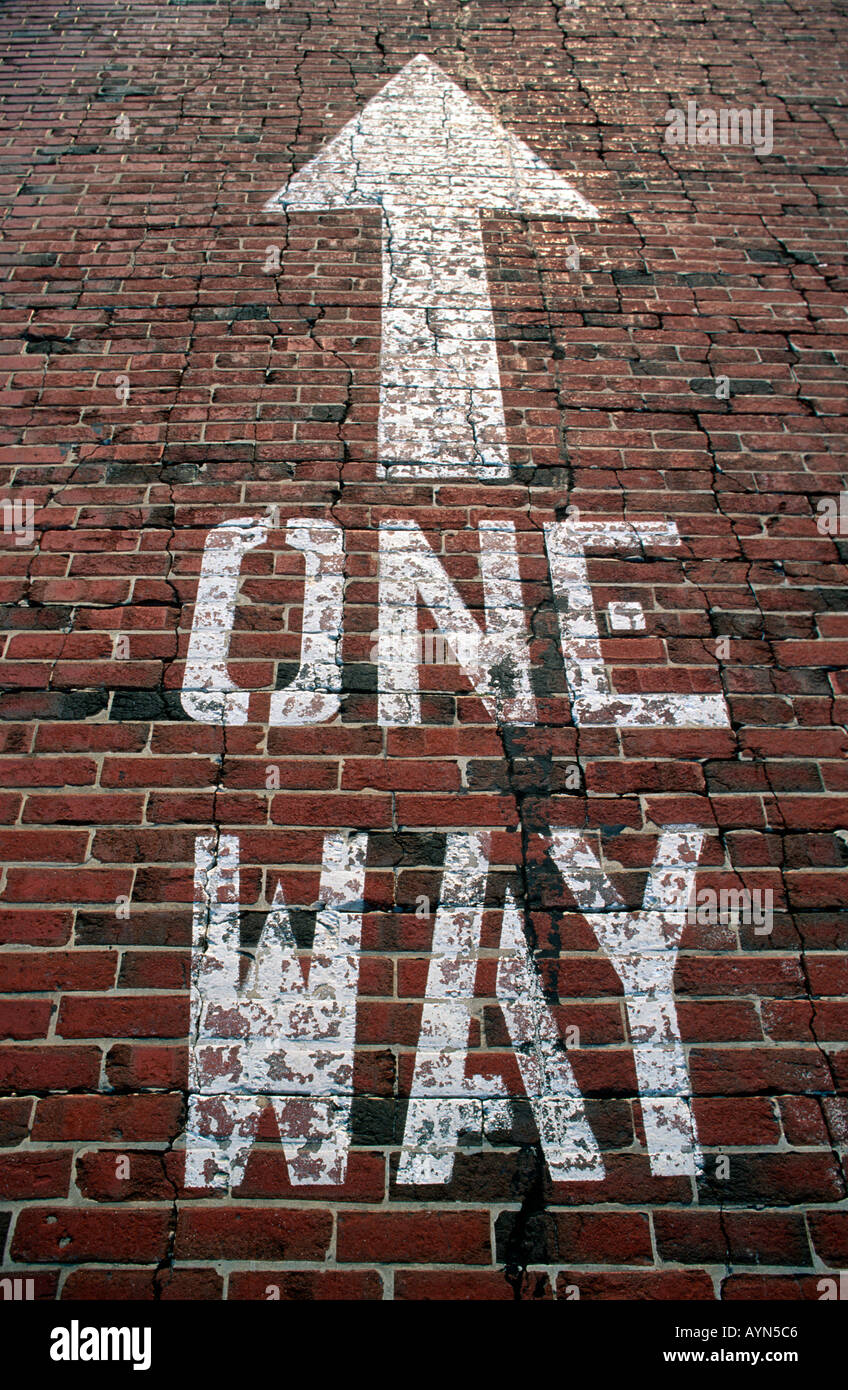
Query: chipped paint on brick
{"points": [[314, 693], [273, 1028], [570, 1148], [431, 158], [209, 693], [643, 947]]}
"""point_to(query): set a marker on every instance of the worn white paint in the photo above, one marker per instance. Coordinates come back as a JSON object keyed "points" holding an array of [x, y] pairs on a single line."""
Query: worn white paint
{"points": [[445, 1102], [209, 694], [496, 660], [593, 701], [431, 159], [274, 1028], [570, 1148], [643, 948]]}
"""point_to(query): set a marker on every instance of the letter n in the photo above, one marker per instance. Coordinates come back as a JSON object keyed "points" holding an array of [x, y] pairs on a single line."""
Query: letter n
{"points": [[496, 660]]}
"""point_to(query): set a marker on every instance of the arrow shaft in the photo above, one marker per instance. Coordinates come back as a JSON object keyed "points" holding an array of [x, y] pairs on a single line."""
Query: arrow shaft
{"points": [[441, 408]]}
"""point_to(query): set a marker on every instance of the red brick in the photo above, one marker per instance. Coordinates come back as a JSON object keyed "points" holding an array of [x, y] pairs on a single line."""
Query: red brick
{"points": [[51, 1068], [34, 1174], [152, 1176], [34, 928], [244, 1233], [737, 1237], [14, 1119], [24, 1018], [829, 1230], [140, 1067], [65, 1236], [57, 970], [649, 1284], [398, 1237], [90, 808], [142, 1016], [770, 1288], [66, 885], [266, 1176], [122, 1119]]}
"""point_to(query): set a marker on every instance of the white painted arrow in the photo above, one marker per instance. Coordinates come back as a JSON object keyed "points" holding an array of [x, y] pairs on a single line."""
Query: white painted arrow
{"points": [[432, 159]]}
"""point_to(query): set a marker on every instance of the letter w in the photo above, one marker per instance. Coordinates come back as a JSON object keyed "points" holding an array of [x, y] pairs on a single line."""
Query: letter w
{"points": [[282, 1034]]}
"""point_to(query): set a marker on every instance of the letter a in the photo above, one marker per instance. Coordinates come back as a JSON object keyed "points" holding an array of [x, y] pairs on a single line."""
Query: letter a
{"points": [[444, 1100], [495, 660]]}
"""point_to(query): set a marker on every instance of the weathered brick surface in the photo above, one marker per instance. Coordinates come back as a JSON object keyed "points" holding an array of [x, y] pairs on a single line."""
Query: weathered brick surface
{"points": [[143, 258]]}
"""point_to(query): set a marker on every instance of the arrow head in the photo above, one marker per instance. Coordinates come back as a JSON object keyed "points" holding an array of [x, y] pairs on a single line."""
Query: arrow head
{"points": [[422, 143]]}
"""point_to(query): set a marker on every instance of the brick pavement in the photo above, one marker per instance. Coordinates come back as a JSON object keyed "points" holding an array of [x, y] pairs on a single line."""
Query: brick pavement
{"points": [[453, 848]]}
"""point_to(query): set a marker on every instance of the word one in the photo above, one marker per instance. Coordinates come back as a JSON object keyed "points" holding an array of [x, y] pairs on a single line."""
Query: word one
{"points": [[495, 658]]}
